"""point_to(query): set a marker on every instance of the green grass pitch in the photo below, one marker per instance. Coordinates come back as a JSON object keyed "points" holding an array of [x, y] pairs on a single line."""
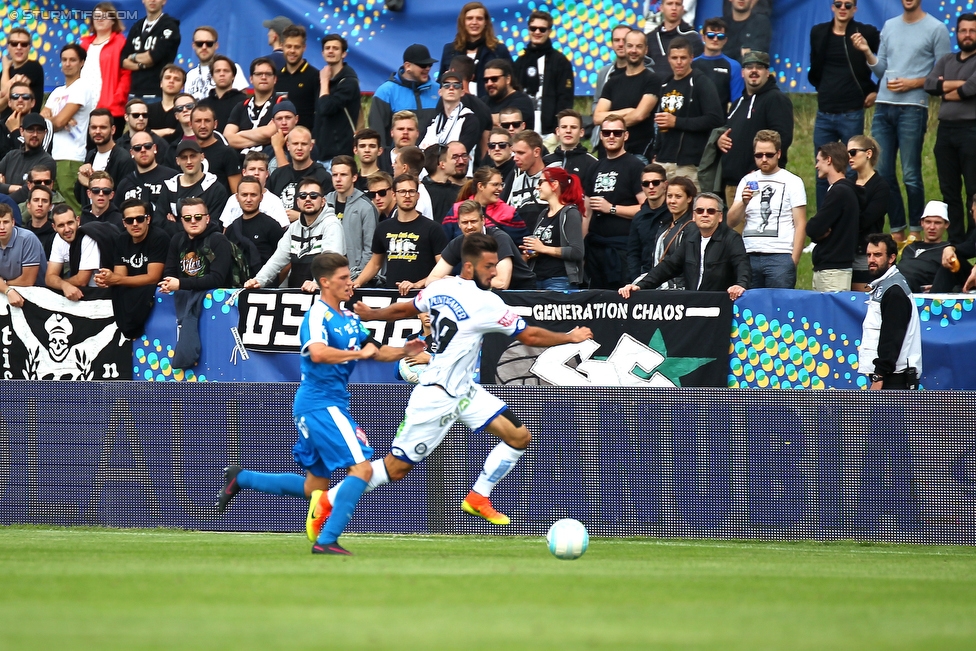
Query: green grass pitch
{"points": [[164, 589]]}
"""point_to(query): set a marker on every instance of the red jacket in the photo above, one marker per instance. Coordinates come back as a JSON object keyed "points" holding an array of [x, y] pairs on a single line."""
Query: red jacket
{"points": [[115, 79], [498, 214]]}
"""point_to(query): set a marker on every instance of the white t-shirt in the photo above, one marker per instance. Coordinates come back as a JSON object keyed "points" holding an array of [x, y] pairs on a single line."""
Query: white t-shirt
{"points": [[199, 81], [769, 224], [270, 205], [701, 261], [69, 143], [90, 255], [461, 314], [91, 72], [101, 160]]}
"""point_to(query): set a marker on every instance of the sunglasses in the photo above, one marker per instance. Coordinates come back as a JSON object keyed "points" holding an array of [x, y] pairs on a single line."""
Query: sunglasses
{"points": [[21, 96], [138, 219], [538, 29], [510, 125], [19, 43], [653, 183], [105, 191], [498, 145], [853, 152], [143, 147], [718, 35], [194, 218], [372, 194], [452, 85], [844, 5], [759, 155], [139, 116], [707, 211], [184, 107], [43, 182], [204, 43], [612, 133], [493, 79], [309, 195]]}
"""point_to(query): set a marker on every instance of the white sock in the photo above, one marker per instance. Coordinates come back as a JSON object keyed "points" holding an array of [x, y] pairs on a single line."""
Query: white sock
{"points": [[499, 463], [380, 477]]}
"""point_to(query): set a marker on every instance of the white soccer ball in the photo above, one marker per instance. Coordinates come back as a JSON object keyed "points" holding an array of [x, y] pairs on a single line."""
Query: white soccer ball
{"points": [[410, 372], [567, 539]]}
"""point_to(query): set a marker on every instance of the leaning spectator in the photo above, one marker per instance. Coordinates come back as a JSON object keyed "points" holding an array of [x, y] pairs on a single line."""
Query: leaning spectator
{"points": [[67, 273], [672, 26], [152, 43], [284, 115], [840, 73], [544, 73], [16, 166], [338, 104], [921, 261], [555, 248], [873, 196], [688, 111], [37, 217], [256, 166], [101, 192], [22, 262], [834, 227], [201, 79], [68, 108], [772, 204], [145, 182], [315, 231], [725, 72], [408, 89], [103, 69], [298, 80], [21, 67], [200, 257], [475, 39], [748, 31], [254, 228], [140, 256]]}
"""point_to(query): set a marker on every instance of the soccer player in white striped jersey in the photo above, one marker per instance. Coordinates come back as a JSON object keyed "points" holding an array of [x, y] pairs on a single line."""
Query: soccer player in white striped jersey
{"points": [[462, 311]]}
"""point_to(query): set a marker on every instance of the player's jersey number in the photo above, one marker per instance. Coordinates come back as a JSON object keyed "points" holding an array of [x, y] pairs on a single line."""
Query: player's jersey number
{"points": [[443, 330]]}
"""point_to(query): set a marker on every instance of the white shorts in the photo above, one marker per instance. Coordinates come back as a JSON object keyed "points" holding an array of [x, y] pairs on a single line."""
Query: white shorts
{"points": [[430, 414]]}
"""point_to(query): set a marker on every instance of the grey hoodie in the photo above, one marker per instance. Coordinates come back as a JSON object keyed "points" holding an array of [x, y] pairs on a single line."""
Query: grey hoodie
{"points": [[358, 223]]}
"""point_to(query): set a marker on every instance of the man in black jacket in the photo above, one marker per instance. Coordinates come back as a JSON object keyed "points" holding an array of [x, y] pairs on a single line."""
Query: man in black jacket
{"points": [[338, 105], [649, 221], [840, 73], [570, 154], [762, 106], [726, 265], [545, 74], [688, 111], [200, 257], [672, 26], [834, 227]]}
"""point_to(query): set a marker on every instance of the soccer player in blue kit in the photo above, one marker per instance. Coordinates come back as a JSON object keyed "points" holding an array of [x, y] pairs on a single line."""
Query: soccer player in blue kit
{"points": [[462, 310], [333, 339]]}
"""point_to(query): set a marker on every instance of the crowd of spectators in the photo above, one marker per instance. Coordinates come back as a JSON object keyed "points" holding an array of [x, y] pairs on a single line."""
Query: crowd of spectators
{"points": [[136, 173]]}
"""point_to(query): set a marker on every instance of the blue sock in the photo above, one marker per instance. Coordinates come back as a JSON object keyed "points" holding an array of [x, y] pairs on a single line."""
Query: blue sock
{"points": [[345, 503], [277, 484]]}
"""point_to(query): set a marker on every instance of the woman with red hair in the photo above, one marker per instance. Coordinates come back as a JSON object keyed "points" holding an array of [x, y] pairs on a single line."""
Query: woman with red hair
{"points": [[103, 68], [554, 251]]}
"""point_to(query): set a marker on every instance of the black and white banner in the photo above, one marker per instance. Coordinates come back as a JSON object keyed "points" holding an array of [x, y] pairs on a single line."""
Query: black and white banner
{"points": [[52, 338], [653, 339]]}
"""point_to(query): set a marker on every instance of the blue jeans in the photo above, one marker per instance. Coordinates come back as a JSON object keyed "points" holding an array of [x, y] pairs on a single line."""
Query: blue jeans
{"points": [[831, 127], [902, 128], [772, 271], [555, 284]]}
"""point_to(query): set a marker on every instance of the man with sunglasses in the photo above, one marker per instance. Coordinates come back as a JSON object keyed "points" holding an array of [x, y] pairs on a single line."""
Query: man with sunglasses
{"points": [[192, 182], [17, 164], [711, 258], [747, 31], [317, 230], [570, 154], [136, 120], [840, 73], [38, 176], [140, 257], [101, 191], [504, 93], [21, 103], [200, 257], [725, 72], [453, 119], [200, 80], [18, 67], [545, 73], [379, 190], [500, 151], [408, 89], [152, 43], [649, 222], [145, 182]]}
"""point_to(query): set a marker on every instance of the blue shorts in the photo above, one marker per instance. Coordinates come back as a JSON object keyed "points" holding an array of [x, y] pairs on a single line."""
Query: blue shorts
{"points": [[329, 439]]}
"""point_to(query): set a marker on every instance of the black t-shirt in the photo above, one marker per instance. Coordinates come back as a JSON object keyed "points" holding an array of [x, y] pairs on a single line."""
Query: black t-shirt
{"points": [[547, 230], [518, 100], [138, 256], [222, 161], [246, 115], [283, 182], [627, 92], [618, 180], [522, 276], [45, 234], [160, 118], [223, 106], [302, 88], [720, 72], [409, 248], [443, 196], [145, 187], [340, 208], [920, 262], [34, 72], [265, 232], [480, 109], [839, 91]]}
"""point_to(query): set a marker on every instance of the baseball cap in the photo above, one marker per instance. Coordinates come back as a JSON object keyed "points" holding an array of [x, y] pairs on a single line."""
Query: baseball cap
{"points": [[450, 74], [33, 120], [284, 105], [278, 24], [936, 209], [418, 55], [185, 145], [756, 57]]}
